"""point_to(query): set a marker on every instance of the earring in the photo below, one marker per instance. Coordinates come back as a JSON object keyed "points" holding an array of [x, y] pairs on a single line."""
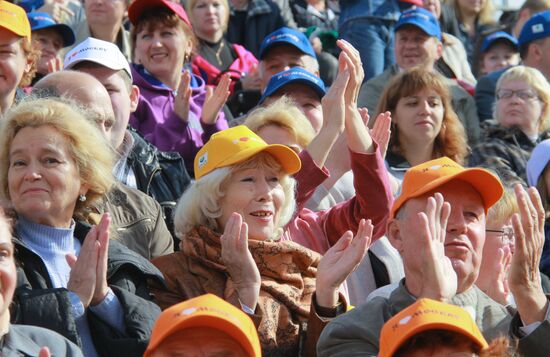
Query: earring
{"points": [[82, 198]]}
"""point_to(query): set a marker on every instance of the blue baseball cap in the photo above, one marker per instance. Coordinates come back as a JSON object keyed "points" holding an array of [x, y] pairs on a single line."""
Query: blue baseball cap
{"points": [[540, 157], [421, 18], [43, 20], [293, 75], [286, 35], [496, 37], [537, 27]]}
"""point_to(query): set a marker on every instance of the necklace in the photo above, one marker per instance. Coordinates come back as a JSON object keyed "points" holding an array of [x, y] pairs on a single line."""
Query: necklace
{"points": [[217, 52]]}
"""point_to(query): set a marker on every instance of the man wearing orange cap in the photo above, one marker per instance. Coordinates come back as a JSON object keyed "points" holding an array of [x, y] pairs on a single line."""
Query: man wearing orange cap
{"points": [[17, 58], [438, 226]]}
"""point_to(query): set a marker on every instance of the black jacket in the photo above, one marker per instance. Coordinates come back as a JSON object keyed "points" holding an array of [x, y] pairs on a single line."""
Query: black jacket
{"points": [[37, 303], [161, 175]]}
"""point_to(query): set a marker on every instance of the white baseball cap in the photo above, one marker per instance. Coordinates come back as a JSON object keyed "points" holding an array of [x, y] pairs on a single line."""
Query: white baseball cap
{"points": [[101, 52]]}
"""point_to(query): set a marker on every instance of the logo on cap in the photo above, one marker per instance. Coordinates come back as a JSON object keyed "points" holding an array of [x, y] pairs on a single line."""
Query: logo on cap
{"points": [[537, 28], [203, 159]]}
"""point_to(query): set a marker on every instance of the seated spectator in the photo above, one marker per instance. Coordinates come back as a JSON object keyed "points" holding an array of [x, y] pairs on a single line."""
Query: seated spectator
{"points": [[73, 279], [140, 165], [136, 217], [453, 62], [23, 340], [49, 37], [322, 14], [538, 175], [449, 329], [532, 50], [467, 20], [418, 44], [205, 324], [18, 60], [438, 225], [424, 124], [498, 249], [522, 119], [174, 112], [231, 220], [214, 55], [105, 21], [250, 21], [499, 50]]}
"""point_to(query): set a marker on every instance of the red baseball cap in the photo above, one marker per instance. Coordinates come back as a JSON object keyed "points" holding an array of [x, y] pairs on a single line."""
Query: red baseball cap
{"points": [[138, 7]]}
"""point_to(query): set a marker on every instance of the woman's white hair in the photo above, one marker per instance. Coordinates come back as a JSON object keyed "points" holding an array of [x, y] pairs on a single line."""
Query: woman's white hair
{"points": [[200, 204]]}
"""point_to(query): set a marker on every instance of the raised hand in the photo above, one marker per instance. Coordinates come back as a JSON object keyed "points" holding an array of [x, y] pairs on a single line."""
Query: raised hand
{"points": [[498, 289], [58, 9], [524, 279], [181, 101], [355, 67], [215, 100], [340, 261], [252, 80], [82, 279], [55, 65], [439, 280], [101, 287], [381, 131], [239, 262]]}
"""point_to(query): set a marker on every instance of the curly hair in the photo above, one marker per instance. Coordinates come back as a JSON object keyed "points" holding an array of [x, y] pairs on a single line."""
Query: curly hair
{"points": [[451, 140], [32, 54]]}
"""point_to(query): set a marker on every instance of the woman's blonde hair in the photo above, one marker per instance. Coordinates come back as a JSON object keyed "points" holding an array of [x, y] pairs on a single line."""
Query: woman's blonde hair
{"points": [[503, 210], [537, 81], [191, 5], [91, 153], [485, 16], [200, 204], [451, 140], [282, 113]]}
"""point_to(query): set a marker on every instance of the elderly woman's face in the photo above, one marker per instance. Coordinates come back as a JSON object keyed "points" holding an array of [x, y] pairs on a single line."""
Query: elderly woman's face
{"points": [[258, 196], [518, 104], [43, 179]]}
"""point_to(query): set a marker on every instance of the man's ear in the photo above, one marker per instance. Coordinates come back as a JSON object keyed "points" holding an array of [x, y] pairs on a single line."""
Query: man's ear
{"points": [[439, 50], [134, 98], [394, 234]]}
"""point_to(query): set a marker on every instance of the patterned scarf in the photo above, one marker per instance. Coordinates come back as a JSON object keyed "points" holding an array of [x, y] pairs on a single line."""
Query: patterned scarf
{"points": [[288, 281]]}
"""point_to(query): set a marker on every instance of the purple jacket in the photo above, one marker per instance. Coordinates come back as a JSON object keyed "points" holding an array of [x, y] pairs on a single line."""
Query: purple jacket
{"points": [[155, 119]]}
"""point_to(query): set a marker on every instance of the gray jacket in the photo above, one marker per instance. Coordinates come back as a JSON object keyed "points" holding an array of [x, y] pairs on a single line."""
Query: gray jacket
{"points": [[24, 340], [357, 332], [463, 103]]}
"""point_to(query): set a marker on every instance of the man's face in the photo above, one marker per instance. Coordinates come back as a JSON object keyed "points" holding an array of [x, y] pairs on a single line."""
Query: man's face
{"points": [[465, 231], [123, 102], [538, 57], [306, 99], [105, 12], [413, 47], [280, 58]]}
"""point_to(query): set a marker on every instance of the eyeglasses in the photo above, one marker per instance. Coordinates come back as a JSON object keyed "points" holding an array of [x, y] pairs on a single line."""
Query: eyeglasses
{"points": [[507, 235], [521, 94]]}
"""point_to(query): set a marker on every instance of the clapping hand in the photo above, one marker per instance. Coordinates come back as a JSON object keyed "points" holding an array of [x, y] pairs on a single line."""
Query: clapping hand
{"points": [[182, 97], [239, 261], [88, 278], [215, 100], [524, 279], [340, 261]]}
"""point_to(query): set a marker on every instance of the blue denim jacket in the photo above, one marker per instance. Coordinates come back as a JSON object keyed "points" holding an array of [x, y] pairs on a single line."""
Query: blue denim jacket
{"points": [[375, 9]]}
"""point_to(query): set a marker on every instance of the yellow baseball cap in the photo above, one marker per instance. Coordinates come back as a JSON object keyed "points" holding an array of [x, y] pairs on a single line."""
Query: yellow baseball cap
{"points": [[14, 19], [423, 315], [432, 174], [238, 144], [206, 311]]}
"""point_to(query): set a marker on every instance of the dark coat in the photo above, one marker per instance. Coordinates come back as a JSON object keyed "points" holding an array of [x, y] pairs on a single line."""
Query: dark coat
{"points": [[26, 341], [37, 303]]}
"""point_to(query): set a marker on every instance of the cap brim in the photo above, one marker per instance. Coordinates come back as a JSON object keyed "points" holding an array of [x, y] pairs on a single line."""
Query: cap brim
{"points": [[204, 320], [320, 92], [485, 183], [65, 31], [288, 159]]}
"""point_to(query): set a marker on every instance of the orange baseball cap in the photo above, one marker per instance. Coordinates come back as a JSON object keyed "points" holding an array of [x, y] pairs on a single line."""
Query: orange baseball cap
{"points": [[14, 18], [237, 144], [423, 315], [206, 311], [432, 174]]}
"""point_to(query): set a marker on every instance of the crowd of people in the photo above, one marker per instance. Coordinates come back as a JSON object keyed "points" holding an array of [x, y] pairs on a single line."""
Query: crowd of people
{"points": [[274, 178]]}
